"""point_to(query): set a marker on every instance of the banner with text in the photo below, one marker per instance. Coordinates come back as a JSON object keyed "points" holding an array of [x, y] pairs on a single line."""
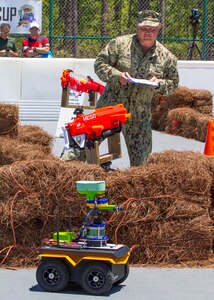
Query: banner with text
{"points": [[20, 13]]}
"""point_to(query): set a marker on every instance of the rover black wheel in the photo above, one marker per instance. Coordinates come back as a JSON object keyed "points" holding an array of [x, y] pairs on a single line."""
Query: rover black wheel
{"points": [[97, 279], [52, 275], [124, 277]]}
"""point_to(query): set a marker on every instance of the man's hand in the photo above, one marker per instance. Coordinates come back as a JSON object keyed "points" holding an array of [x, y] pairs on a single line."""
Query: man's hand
{"points": [[155, 79], [124, 78], [8, 53], [2, 53], [13, 54], [41, 50]]}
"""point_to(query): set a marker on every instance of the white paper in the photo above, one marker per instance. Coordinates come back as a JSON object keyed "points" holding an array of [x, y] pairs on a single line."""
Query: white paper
{"points": [[143, 81]]}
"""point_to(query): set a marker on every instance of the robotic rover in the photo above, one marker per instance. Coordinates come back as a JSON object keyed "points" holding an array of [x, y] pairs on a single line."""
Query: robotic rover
{"points": [[87, 260]]}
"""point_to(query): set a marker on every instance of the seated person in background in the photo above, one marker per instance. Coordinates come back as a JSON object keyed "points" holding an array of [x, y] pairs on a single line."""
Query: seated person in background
{"points": [[35, 45], [7, 44]]}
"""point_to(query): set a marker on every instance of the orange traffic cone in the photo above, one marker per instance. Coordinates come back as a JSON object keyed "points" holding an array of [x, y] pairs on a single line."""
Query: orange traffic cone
{"points": [[209, 143]]}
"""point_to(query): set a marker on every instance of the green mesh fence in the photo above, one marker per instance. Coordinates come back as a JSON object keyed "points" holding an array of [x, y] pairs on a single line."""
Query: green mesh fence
{"points": [[81, 28]]}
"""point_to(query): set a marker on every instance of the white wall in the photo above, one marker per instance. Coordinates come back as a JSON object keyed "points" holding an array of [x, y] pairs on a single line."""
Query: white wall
{"points": [[43, 76], [35, 83], [197, 74], [10, 80]]}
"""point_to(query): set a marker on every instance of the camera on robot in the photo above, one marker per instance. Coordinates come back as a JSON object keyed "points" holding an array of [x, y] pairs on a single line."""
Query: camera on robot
{"points": [[194, 18]]}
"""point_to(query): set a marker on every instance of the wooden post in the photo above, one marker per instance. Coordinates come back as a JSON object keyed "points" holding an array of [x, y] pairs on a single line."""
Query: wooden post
{"points": [[114, 151], [65, 97], [114, 145]]}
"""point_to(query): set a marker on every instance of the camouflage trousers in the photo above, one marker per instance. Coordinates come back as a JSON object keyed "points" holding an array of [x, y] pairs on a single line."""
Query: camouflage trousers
{"points": [[138, 140]]}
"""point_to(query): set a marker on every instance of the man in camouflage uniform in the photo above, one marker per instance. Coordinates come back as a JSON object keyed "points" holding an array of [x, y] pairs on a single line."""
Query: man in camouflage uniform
{"points": [[139, 56]]}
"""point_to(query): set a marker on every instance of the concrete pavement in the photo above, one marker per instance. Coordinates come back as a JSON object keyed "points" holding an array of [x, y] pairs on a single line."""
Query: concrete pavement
{"points": [[142, 284]]}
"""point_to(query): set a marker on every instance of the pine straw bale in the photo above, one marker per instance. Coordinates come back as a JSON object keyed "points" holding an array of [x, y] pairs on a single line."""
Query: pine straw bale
{"points": [[184, 239], [203, 101], [35, 219], [199, 100], [189, 158], [46, 176], [37, 193], [167, 242], [35, 135], [159, 111], [185, 177], [188, 123], [159, 118], [161, 105], [182, 97], [174, 158], [202, 97], [9, 119], [12, 150], [167, 215], [205, 110]]}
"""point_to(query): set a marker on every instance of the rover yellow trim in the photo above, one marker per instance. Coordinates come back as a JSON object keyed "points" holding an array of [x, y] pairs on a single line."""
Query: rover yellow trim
{"points": [[117, 261]]}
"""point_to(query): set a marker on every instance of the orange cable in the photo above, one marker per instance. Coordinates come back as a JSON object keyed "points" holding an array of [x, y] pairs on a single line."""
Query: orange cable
{"points": [[122, 219], [9, 248]]}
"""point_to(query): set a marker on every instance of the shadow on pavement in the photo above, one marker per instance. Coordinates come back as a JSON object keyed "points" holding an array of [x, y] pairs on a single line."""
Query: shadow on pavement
{"points": [[76, 290]]}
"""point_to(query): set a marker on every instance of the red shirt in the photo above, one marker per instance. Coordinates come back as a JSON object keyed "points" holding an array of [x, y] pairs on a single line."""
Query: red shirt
{"points": [[39, 41]]}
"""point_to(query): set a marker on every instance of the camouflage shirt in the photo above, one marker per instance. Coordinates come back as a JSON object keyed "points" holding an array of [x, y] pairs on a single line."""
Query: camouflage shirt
{"points": [[124, 54]]}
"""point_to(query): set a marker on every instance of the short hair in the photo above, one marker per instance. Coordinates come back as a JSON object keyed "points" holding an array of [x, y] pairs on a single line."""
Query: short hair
{"points": [[4, 25]]}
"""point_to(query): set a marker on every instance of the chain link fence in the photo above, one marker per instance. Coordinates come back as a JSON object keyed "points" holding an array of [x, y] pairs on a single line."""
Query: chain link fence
{"points": [[81, 28]]}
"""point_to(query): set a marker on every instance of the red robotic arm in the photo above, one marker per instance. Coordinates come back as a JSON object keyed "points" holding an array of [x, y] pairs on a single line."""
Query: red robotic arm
{"points": [[84, 130], [82, 86]]}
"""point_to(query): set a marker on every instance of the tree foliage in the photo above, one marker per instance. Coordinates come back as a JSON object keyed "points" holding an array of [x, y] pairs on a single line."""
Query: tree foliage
{"points": [[80, 28]]}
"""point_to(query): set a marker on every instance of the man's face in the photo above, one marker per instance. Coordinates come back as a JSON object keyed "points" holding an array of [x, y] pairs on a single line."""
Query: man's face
{"points": [[5, 30], [34, 31], [147, 35]]}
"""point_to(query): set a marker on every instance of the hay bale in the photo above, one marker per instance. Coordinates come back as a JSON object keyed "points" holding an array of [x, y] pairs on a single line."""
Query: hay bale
{"points": [[9, 119], [188, 123], [35, 135]]}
